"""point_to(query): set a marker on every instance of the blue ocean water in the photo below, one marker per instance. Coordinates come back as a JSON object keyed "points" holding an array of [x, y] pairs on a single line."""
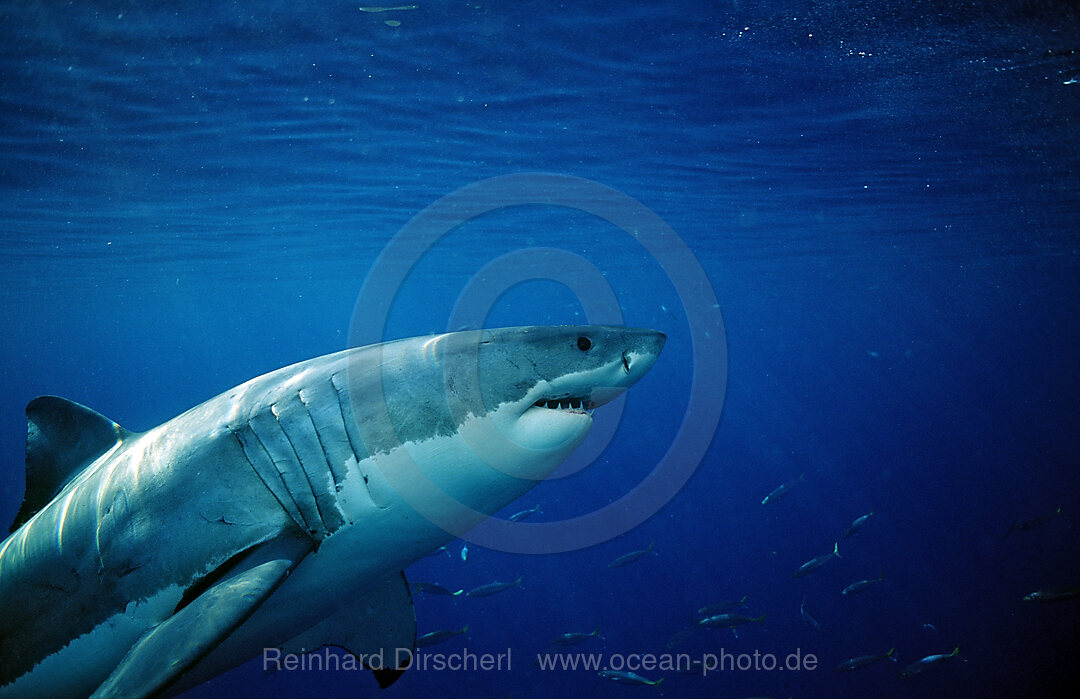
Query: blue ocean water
{"points": [[885, 197]]}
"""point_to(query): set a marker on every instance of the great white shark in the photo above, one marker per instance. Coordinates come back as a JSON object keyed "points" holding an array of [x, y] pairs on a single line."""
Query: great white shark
{"points": [[281, 513]]}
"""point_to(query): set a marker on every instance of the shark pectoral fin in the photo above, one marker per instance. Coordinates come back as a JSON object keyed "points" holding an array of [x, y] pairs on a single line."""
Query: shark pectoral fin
{"points": [[378, 627], [172, 647]]}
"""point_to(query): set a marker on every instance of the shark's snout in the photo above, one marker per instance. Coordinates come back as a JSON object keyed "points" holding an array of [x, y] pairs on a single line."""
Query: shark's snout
{"points": [[623, 356]]}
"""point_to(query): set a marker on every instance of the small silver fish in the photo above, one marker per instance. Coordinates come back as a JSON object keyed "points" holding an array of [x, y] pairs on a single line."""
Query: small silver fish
{"points": [[920, 666], [815, 563], [518, 516], [628, 558], [865, 661], [727, 621], [782, 490], [628, 678], [430, 639], [492, 588], [857, 525], [860, 585], [573, 638], [429, 588], [1053, 594], [1029, 524], [398, 8], [714, 609]]}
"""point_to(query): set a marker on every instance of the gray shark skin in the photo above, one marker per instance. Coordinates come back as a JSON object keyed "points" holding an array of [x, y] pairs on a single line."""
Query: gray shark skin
{"points": [[281, 513]]}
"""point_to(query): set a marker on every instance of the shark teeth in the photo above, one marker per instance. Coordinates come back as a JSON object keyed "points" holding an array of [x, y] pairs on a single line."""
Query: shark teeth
{"points": [[568, 403]]}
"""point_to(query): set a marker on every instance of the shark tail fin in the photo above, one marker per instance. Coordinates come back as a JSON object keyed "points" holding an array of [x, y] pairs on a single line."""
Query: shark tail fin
{"points": [[62, 438]]}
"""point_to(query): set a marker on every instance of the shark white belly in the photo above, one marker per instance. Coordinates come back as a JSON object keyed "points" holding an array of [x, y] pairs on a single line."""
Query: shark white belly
{"points": [[147, 563]]}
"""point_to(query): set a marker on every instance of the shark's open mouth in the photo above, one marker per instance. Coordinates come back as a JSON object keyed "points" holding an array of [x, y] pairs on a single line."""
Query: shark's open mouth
{"points": [[567, 403]]}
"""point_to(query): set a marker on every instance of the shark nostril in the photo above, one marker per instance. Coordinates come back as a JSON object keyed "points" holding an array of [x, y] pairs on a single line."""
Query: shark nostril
{"points": [[625, 363]]}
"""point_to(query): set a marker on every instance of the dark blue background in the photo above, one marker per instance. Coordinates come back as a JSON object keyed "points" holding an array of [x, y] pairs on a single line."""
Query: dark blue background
{"points": [[883, 194]]}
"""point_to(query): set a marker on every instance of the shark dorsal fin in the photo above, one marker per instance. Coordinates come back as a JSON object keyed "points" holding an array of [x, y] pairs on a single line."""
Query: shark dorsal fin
{"points": [[62, 437]]}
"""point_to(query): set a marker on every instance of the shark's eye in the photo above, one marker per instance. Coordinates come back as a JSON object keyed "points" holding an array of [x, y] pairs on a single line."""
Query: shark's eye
{"points": [[584, 343]]}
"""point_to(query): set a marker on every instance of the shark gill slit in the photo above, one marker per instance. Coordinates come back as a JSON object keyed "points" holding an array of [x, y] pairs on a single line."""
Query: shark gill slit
{"points": [[271, 434], [346, 415], [329, 434], [331, 512], [255, 454], [310, 454]]}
